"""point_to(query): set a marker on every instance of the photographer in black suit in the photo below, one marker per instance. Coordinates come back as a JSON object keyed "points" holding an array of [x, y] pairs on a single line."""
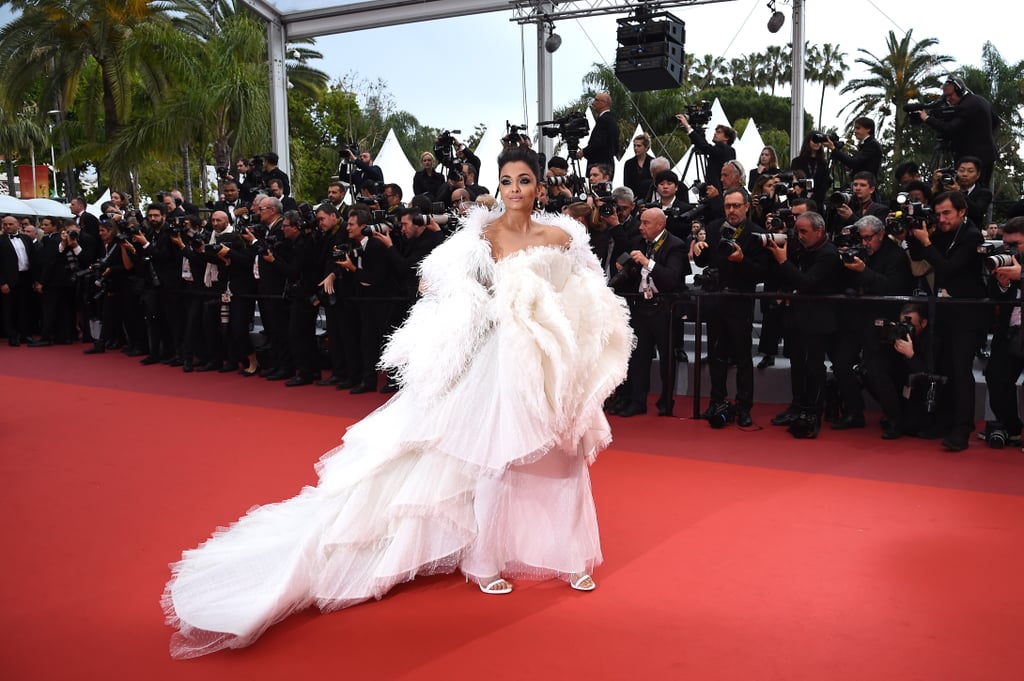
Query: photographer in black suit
{"points": [[952, 251], [375, 281], [968, 127], [358, 167], [270, 285], [55, 265], [656, 270], [718, 151], [1007, 360], [734, 248], [604, 138], [813, 269], [272, 172], [869, 152], [875, 266]]}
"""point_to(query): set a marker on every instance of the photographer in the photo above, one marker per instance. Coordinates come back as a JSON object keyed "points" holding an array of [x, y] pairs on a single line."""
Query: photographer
{"points": [[270, 286], [952, 251], [876, 266], [968, 126], [208, 254], [1007, 360], [248, 177], [164, 307], [604, 138], [375, 281], [54, 269], [966, 179], [337, 299], [623, 224], [656, 272], [735, 248], [868, 156], [814, 269], [718, 151], [276, 188], [300, 262], [896, 374], [357, 167], [814, 163], [861, 203], [107, 286]]}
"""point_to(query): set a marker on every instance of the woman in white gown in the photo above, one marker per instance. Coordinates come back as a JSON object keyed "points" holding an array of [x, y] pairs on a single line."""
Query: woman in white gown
{"points": [[478, 464]]}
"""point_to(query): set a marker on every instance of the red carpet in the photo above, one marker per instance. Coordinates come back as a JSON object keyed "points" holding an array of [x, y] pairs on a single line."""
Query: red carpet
{"points": [[729, 554]]}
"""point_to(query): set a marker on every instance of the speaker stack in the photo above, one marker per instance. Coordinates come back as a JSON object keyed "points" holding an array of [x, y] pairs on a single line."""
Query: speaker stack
{"points": [[650, 52]]}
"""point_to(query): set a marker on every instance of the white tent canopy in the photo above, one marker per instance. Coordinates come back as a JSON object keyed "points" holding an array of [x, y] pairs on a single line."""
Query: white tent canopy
{"points": [[395, 164]]}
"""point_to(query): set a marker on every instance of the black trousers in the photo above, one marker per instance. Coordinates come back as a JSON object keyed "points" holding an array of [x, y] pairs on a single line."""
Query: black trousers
{"points": [[807, 372], [302, 336], [16, 307], [650, 321], [58, 313], [334, 325], [374, 323], [1001, 374], [730, 337], [845, 353], [274, 315], [957, 343]]}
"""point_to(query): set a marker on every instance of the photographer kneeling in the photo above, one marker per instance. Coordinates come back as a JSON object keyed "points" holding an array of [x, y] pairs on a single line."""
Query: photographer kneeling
{"points": [[898, 377]]}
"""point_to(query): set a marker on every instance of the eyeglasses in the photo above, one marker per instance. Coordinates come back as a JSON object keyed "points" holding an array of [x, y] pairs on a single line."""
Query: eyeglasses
{"points": [[868, 237]]}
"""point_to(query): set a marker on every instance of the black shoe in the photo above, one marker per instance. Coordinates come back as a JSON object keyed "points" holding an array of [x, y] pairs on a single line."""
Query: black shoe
{"points": [[175, 362], [209, 366], [614, 405], [186, 366], [743, 419], [665, 408], [389, 388], [330, 380], [983, 354], [892, 432], [955, 443], [345, 384], [41, 343], [135, 352], [848, 422], [806, 426], [766, 361], [96, 349], [278, 375], [228, 368], [632, 409], [362, 388], [298, 380], [149, 360], [785, 418]]}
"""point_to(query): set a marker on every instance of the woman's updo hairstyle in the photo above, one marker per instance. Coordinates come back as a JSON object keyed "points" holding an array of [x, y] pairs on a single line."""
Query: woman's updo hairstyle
{"points": [[523, 154]]}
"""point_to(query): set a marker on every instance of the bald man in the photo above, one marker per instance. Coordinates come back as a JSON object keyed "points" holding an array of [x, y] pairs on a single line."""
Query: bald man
{"points": [[604, 138], [661, 265]]}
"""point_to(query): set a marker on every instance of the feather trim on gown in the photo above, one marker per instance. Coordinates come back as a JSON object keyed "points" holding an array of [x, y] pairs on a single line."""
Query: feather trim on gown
{"points": [[479, 463]]}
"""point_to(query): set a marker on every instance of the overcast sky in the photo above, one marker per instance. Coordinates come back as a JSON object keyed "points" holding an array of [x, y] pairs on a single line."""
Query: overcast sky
{"points": [[456, 73]]}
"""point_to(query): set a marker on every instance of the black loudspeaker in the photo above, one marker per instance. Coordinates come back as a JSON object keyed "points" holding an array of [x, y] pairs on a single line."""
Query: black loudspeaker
{"points": [[650, 53]]}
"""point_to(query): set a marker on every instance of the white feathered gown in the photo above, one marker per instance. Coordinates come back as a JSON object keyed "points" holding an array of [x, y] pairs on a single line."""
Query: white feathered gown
{"points": [[479, 463]]}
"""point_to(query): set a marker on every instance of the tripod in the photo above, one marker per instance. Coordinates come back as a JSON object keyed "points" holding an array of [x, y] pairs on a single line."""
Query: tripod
{"points": [[699, 159]]}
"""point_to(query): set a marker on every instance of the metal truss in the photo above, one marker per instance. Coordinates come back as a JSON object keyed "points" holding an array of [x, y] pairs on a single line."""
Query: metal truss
{"points": [[535, 11]]}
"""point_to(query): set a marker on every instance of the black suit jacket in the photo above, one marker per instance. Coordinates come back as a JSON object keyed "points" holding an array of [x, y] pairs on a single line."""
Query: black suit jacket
{"points": [[954, 257], [9, 258], [969, 129], [867, 157], [89, 223], [717, 153], [604, 139], [737, 276], [636, 178], [816, 272], [978, 202], [671, 266]]}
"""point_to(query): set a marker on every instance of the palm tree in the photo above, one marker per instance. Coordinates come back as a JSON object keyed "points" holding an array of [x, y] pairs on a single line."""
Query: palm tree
{"points": [[776, 66], [54, 42], [893, 80], [19, 131], [707, 71], [825, 65]]}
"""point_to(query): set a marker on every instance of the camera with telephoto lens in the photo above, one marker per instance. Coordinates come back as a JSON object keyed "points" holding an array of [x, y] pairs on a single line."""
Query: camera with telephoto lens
{"points": [[721, 415], [820, 137], [778, 238], [444, 149], [851, 253], [629, 269], [947, 177], [997, 436], [377, 225], [997, 256], [267, 244], [699, 114], [889, 331], [727, 244], [908, 214], [781, 220], [700, 189], [844, 197], [708, 280], [602, 193]]}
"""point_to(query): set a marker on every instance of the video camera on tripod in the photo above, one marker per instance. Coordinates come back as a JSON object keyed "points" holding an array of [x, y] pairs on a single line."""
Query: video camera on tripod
{"points": [[515, 136], [571, 127], [444, 150], [699, 114], [940, 108]]}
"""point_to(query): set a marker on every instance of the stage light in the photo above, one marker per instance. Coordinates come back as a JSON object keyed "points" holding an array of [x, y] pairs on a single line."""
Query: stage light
{"points": [[554, 41]]}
